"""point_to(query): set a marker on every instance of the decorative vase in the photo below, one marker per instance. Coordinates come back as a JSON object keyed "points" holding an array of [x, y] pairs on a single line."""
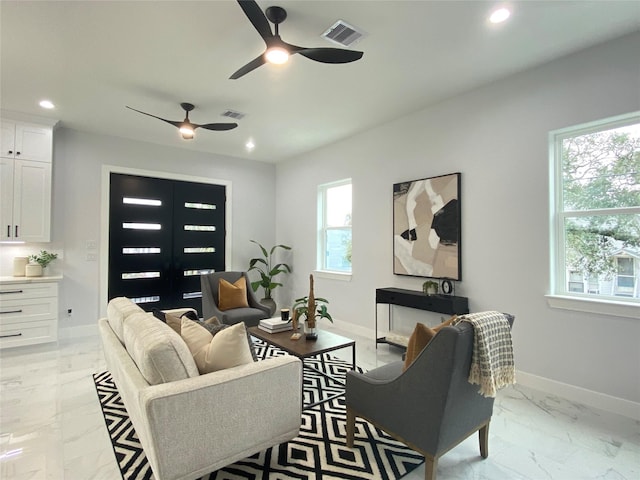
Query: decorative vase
{"points": [[311, 333], [269, 302], [33, 270], [19, 266]]}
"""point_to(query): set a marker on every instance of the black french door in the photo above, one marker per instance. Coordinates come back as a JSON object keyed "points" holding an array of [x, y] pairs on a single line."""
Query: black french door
{"points": [[162, 235]]}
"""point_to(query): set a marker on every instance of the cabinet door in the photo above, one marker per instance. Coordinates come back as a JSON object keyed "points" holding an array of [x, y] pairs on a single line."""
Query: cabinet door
{"points": [[33, 142], [6, 198], [7, 138], [32, 200]]}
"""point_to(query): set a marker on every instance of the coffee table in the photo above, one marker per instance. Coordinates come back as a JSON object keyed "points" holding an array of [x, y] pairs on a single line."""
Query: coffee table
{"points": [[303, 349]]}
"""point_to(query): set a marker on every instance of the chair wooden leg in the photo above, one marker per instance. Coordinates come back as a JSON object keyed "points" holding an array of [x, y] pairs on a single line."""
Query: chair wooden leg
{"points": [[483, 434], [430, 467], [350, 427]]}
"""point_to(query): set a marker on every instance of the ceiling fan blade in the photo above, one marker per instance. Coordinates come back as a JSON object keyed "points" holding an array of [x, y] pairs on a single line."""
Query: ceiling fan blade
{"points": [[252, 65], [257, 18], [216, 126], [175, 124], [329, 55]]}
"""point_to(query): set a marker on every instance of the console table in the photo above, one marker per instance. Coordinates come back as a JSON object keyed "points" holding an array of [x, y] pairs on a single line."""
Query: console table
{"points": [[449, 304]]}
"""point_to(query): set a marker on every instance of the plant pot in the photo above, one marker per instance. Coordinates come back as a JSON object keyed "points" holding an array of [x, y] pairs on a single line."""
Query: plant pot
{"points": [[33, 270], [19, 266], [269, 302], [311, 333]]}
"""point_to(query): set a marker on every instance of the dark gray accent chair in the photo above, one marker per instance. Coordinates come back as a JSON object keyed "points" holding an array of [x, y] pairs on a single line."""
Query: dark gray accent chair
{"points": [[431, 407], [251, 316]]}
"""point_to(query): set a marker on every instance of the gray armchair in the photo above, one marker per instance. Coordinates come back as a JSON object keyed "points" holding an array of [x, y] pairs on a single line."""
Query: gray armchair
{"points": [[251, 316], [431, 407]]}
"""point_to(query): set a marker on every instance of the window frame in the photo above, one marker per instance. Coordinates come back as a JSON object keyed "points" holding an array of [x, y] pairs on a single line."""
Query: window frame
{"points": [[559, 295], [322, 228]]}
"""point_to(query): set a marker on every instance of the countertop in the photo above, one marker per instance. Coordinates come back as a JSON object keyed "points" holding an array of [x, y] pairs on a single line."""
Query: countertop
{"points": [[10, 280]]}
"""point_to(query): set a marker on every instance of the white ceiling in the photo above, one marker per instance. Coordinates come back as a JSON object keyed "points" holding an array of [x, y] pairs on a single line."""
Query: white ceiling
{"points": [[91, 58]]}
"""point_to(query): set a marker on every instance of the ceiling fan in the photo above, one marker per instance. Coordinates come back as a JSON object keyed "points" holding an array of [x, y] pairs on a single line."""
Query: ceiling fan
{"points": [[187, 128], [278, 51]]}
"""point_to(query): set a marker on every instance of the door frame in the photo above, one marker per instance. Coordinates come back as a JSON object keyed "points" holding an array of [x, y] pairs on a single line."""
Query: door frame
{"points": [[107, 170]]}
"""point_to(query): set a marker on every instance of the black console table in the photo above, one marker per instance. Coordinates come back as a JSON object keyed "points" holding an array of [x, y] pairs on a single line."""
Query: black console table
{"points": [[449, 304]]}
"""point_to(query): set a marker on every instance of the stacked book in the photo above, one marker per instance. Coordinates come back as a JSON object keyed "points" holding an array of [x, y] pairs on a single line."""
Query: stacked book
{"points": [[274, 325]]}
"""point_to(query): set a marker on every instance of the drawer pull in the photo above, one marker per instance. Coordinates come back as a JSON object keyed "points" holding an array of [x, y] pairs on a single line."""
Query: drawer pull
{"points": [[11, 311], [10, 291], [14, 335]]}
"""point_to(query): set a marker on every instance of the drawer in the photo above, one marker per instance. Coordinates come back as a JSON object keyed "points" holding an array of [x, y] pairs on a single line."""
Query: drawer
{"points": [[28, 310], [17, 291], [18, 334]]}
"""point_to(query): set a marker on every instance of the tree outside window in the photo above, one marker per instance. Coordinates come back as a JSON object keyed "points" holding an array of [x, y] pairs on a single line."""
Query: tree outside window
{"points": [[597, 208]]}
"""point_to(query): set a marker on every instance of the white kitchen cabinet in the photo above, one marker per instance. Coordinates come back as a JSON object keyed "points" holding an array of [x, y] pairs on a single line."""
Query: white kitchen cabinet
{"points": [[25, 182], [26, 200], [28, 311], [26, 141]]}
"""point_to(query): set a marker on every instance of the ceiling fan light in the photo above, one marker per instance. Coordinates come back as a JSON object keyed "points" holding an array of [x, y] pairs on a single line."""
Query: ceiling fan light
{"points": [[499, 15], [277, 55], [187, 132]]}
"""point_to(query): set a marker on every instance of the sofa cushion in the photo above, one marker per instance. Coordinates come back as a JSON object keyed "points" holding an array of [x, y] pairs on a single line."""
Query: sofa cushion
{"points": [[228, 348], [232, 295], [420, 338], [118, 310], [159, 352]]}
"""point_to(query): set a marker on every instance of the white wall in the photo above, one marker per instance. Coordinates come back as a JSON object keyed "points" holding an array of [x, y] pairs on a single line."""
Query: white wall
{"points": [[497, 136], [76, 214]]}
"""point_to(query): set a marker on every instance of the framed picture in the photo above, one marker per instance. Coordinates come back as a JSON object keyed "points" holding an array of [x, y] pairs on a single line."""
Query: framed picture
{"points": [[426, 227]]}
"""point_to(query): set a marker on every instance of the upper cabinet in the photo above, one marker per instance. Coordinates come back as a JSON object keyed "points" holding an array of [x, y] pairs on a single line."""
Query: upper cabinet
{"points": [[26, 141], [25, 181]]}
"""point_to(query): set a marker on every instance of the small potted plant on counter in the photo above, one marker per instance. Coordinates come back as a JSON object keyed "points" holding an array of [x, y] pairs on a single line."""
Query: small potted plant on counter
{"points": [[38, 262]]}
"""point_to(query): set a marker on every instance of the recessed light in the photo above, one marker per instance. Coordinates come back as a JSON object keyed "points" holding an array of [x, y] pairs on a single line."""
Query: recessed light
{"points": [[499, 15], [250, 145], [48, 104]]}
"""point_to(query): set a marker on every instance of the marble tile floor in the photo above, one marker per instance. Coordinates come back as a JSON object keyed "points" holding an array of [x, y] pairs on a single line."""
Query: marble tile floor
{"points": [[51, 426]]}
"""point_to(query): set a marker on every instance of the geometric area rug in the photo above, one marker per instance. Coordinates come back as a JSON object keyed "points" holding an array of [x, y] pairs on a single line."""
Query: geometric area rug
{"points": [[317, 453]]}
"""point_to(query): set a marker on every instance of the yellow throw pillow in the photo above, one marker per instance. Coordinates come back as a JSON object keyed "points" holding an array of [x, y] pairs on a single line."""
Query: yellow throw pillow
{"points": [[420, 338], [232, 295], [228, 348]]}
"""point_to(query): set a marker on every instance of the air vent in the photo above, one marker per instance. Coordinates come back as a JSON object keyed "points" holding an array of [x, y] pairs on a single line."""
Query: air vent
{"points": [[233, 114], [343, 34]]}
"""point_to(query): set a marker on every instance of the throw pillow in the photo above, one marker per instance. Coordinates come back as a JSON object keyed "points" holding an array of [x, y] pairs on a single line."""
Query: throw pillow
{"points": [[191, 315], [213, 326], [232, 295], [212, 321], [228, 348], [173, 321], [420, 338]]}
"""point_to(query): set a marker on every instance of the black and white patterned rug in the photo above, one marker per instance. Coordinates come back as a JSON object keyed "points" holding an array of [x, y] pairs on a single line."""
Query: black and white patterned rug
{"points": [[318, 453]]}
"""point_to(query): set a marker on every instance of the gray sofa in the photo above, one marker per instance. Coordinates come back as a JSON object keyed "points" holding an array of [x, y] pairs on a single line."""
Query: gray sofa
{"points": [[191, 424]]}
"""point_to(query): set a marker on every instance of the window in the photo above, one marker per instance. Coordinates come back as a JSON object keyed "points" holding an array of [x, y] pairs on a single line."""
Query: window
{"points": [[595, 224], [334, 222]]}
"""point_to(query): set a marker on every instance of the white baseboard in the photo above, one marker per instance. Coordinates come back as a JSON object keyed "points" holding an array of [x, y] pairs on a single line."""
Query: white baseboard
{"points": [[350, 327], [77, 332], [590, 398]]}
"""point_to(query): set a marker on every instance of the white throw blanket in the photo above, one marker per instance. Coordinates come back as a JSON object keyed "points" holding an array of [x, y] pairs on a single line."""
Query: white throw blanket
{"points": [[492, 365]]}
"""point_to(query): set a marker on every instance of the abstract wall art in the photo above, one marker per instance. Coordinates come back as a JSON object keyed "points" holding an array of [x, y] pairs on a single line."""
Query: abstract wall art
{"points": [[426, 227]]}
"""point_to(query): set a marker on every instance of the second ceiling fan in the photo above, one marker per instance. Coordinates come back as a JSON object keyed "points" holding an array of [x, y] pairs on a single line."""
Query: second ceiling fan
{"points": [[277, 50]]}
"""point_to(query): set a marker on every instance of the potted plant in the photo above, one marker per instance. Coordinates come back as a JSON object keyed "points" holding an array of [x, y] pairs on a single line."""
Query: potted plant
{"points": [[38, 262], [309, 308], [268, 271], [430, 287]]}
